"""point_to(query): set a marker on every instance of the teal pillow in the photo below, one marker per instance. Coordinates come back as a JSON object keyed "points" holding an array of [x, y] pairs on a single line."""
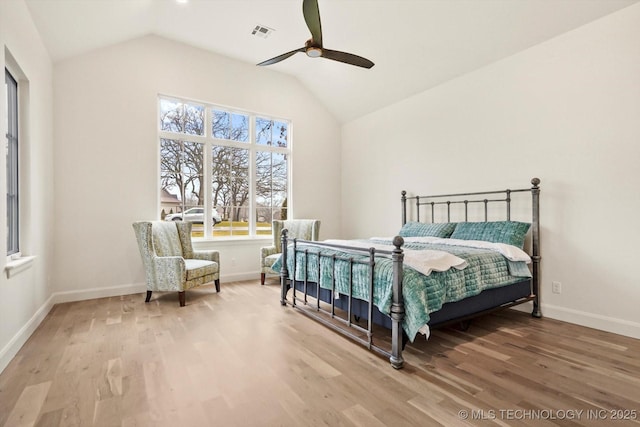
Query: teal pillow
{"points": [[422, 229], [509, 232]]}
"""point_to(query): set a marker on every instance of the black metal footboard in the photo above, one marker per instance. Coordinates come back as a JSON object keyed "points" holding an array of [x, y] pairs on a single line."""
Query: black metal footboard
{"points": [[327, 316]]}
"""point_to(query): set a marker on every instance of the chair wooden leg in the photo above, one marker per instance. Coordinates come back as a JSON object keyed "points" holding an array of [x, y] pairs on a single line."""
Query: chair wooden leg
{"points": [[217, 285], [148, 296], [262, 276], [181, 298]]}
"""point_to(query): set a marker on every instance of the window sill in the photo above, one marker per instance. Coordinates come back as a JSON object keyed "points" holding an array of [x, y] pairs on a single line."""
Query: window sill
{"points": [[232, 240], [18, 265], [219, 243]]}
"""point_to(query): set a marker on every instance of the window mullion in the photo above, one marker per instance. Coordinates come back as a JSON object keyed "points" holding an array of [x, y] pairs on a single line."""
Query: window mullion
{"points": [[182, 137], [207, 176], [253, 173]]}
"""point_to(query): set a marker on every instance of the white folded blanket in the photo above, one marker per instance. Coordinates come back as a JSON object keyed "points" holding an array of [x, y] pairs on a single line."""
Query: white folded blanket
{"points": [[424, 261], [510, 252]]}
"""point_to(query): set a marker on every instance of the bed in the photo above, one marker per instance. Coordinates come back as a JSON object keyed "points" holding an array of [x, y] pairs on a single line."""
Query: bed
{"points": [[456, 256]]}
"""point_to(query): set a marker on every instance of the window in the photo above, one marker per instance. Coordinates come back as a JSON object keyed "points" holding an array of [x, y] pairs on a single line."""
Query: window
{"points": [[233, 164], [13, 235]]}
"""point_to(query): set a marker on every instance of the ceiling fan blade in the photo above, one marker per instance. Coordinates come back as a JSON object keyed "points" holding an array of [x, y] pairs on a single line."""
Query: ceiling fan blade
{"points": [[281, 57], [347, 58], [311, 13], [313, 47]]}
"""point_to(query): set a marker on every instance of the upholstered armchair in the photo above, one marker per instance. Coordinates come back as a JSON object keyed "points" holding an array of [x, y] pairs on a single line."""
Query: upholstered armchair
{"points": [[307, 229], [169, 260]]}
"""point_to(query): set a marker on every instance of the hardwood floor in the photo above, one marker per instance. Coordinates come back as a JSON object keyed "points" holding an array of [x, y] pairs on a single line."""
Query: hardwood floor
{"points": [[238, 358]]}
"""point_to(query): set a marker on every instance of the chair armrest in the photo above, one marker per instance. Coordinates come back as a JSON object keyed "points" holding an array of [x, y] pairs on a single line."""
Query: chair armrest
{"points": [[207, 255], [170, 272], [266, 251]]}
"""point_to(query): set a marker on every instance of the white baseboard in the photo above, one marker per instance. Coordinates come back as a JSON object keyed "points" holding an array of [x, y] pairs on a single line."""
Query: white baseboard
{"points": [[93, 293], [15, 344], [590, 320], [239, 277], [135, 288]]}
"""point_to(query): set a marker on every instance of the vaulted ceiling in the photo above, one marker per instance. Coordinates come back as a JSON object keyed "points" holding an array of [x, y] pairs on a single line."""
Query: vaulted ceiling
{"points": [[415, 44]]}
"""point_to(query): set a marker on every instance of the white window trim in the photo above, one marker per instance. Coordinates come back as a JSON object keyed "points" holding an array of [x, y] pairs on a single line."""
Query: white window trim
{"points": [[13, 169], [17, 265], [209, 141], [19, 261]]}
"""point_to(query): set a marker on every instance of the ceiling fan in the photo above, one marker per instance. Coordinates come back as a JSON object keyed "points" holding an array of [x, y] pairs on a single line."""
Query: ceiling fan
{"points": [[313, 47]]}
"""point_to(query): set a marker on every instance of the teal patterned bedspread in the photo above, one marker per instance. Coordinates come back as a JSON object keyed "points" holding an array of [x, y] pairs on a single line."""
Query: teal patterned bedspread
{"points": [[422, 294]]}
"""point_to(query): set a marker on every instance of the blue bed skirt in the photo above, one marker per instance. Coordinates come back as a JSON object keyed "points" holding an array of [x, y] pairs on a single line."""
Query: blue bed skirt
{"points": [[450, 312]]}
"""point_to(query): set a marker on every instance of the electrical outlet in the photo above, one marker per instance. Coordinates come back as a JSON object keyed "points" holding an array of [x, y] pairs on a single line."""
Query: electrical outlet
{"points": [[233, 262], [556, 287]]}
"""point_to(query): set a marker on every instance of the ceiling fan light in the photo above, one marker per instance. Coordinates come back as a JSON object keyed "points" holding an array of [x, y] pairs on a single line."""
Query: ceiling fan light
{"points": [[314, 52]]}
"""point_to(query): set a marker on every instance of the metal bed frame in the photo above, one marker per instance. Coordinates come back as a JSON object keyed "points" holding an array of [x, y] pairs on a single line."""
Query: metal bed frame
{"points": [[328, 316]]}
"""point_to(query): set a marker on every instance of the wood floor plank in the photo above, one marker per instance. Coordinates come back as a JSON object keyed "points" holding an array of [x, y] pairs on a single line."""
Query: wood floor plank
{"points": [[26, 410], [361, 417], [238, 358]]}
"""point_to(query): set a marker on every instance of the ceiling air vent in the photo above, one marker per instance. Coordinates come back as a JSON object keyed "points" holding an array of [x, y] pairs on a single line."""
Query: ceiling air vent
{"points": [[262, 31]]}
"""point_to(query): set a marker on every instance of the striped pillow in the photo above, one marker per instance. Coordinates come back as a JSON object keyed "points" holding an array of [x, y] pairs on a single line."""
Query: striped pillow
{"points": [[422, 229], [509, 232]]}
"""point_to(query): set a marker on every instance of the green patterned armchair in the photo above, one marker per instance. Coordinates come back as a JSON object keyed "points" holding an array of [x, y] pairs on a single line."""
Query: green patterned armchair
{"points": [[307, 229], [169, 260]]}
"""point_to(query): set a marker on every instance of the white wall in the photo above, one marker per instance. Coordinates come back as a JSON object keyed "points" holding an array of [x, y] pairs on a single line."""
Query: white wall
{"points": [[25, 297], [566, 111], [107, 154]]}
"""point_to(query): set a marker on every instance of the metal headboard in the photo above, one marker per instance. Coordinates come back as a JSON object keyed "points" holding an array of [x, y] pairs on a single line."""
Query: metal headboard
{"points": [[484, 198]]}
